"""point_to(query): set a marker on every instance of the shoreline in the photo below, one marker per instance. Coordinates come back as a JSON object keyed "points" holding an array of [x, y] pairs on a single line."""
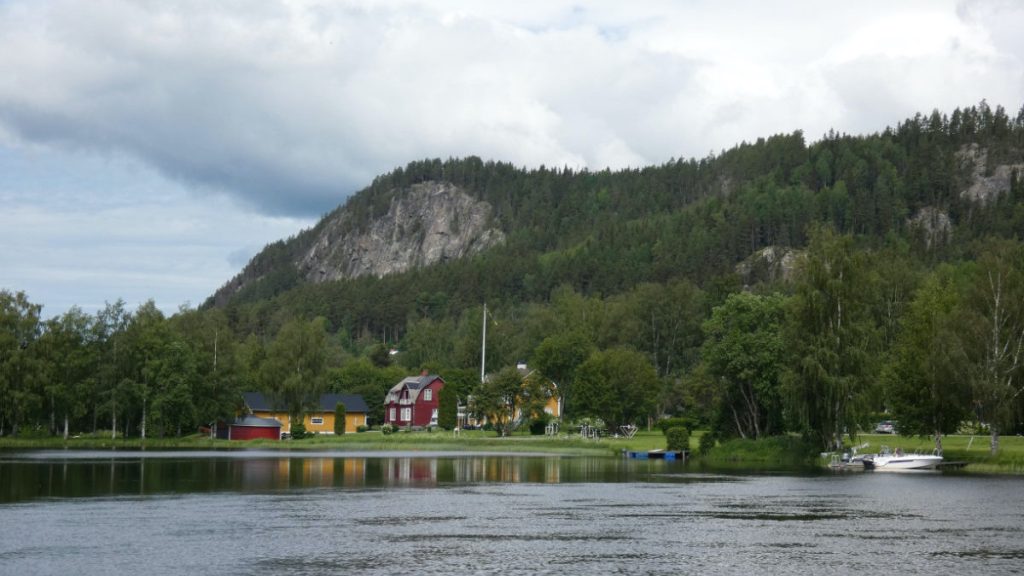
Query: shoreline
{"points": [[763, 454]]}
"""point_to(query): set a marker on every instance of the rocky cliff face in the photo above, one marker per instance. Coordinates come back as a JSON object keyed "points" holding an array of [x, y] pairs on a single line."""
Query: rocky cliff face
{"points": [[769, 265], [432, 222], [428, 223], [985, 184]]}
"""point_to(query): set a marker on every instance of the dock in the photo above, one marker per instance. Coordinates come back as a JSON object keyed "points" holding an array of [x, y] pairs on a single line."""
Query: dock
{"points": [[680, 455]]}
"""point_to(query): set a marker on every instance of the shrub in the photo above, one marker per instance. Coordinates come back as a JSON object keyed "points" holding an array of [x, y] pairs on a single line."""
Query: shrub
{"points": [[361, 428], [666, 423], [707, 442], [387, 429], [678, 438], [539, 425], [447, 409], [339, 418], [299, 431]]}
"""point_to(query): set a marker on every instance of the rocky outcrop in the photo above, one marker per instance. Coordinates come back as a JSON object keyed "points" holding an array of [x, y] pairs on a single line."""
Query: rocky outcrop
{"points": [[768, 265], [933, 225], [982, 186], [429, 223], [425, 224]]}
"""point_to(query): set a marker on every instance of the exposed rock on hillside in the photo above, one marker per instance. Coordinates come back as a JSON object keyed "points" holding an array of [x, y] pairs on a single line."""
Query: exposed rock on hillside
{"points": [[768, 265], [425, 224], [433, 222], [984, 187], [934, 225]]}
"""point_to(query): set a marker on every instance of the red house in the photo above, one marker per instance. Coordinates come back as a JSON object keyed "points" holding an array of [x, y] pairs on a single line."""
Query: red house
{"points": [[413, 402]]}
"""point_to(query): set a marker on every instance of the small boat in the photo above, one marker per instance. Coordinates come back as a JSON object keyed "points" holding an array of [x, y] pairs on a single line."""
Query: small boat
{"points": [[886, 460]]}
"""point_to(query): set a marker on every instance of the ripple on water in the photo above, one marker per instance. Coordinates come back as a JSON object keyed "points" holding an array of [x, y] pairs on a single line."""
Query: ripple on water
{"points": [[619, 522]]}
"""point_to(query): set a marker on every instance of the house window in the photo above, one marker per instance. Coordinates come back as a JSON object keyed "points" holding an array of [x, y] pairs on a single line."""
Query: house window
{"points": [[317, 420], [391, 418], [433, 417], [428, 394], [406, 414]]}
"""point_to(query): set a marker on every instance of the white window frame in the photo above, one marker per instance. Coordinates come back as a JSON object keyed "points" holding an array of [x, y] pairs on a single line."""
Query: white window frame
{"points": [[392, 418], [316, 420], [406, 415], [428, 395]]}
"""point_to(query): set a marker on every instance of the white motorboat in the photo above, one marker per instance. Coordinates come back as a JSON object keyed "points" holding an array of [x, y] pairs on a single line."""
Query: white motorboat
{"points": [[886, 460]]}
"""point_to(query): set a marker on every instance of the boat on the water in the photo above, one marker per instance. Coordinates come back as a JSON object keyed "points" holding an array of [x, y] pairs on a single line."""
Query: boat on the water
{"points": [[898, 460]]}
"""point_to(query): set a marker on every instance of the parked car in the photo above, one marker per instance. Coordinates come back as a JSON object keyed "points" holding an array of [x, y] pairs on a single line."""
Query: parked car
{"points": [[885, 427]]}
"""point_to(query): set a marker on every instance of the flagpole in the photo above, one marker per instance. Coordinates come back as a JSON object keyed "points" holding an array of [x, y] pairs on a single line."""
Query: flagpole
{"points": [[483, 345]]}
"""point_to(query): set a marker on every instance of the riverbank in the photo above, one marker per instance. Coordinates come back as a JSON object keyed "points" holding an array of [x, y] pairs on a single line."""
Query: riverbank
{"points": [[772, 453], [372, 441], [974, 450]]}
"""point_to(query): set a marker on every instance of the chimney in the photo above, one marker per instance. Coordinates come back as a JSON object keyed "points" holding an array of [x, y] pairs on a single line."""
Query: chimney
{"points": [[424, 373]]}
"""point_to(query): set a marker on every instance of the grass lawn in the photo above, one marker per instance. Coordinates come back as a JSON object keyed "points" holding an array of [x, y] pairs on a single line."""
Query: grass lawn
{"points": [[775, 452], [468, 441]]}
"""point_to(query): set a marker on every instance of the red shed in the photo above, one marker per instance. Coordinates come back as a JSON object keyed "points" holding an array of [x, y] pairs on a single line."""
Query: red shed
{"points": [[251, 427]]}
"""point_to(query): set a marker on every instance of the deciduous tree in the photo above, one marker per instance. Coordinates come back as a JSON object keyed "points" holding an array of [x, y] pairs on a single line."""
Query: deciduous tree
{"points": [[928, 385], [618, 386], [831, 339], [744, 352]]}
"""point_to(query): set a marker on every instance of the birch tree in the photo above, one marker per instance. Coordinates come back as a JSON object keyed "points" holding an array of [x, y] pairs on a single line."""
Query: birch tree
{"points": [[831, 339], [19, 374], [995, 325], [926, 378]]}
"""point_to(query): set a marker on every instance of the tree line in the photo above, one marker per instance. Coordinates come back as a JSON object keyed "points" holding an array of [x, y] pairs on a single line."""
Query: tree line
{"points": [[622, 288], [854, 333]]}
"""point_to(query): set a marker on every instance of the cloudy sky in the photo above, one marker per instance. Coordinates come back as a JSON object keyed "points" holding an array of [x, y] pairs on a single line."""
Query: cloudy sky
{"points": [[149, 148]]}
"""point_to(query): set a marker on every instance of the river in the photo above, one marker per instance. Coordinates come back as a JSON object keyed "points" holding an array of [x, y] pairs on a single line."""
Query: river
{"points": [[265, 513]]}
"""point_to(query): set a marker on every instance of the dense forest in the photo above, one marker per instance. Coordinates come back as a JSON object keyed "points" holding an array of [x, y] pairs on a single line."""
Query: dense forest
{"points": [[776, 287]]}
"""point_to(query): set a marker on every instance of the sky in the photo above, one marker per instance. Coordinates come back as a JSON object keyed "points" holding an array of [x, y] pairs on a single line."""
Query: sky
{"points": [[149, 148]]}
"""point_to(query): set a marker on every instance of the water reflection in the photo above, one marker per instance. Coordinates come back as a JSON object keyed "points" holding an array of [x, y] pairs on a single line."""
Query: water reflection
{"points": [[59, 475], [259, 513]]}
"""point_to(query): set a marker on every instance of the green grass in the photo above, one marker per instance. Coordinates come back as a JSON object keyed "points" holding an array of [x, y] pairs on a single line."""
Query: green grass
{"points": [[966, 448], [374, 441], [775, 452]]}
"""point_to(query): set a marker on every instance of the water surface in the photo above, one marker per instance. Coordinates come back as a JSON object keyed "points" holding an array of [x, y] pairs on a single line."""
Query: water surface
{"points": [[330, 513]]}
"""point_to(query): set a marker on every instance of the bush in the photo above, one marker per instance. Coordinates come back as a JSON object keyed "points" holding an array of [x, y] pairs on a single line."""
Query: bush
{"points": [[339, 418], [707, 442], [539, 425], [447, 409], [299, 431], [777, 450], [387, 429], [678, 438], [667, 423], [361, 428]]}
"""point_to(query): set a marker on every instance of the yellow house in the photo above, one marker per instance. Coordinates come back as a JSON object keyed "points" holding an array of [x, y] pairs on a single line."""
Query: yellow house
{"points": [[319, 419], [552, 406]]}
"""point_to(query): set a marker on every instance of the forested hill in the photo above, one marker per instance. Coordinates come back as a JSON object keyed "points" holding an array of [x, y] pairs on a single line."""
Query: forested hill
{"points": [[930, 186], [776, 287]]}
